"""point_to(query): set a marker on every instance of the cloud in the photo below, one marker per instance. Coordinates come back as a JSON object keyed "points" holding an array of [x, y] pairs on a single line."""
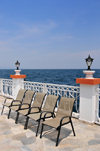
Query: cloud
{"points": [[56, 60], [29, 30], [38, 46], [24, 34], [36, 59]]}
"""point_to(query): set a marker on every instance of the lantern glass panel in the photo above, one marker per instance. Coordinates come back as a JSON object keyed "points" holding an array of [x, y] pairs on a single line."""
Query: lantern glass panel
{"points": [[89, 63], [17, 64]]}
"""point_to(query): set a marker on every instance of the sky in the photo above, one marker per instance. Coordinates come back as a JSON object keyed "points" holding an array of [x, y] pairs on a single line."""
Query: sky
{"points": [[49, 34]]}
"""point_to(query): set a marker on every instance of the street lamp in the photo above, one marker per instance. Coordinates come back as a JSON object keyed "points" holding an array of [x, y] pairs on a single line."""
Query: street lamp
{"points": [[89, 61], [17, 64]]}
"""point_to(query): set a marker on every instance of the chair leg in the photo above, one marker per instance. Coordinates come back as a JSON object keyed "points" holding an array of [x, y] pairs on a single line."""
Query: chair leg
{"points": [[2, 110], [72, 127], [16, 121], [41, 130], [58, 136], [9, 113], [26, 123], [3, 107], [38, 128]]}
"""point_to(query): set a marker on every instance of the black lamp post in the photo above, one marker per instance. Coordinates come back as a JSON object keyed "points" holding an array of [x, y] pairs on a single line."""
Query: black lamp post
{"points": [[89, 61], [17, 64]]}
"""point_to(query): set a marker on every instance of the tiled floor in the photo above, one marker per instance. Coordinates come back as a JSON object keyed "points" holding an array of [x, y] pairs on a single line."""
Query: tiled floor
{"points": [[13, 137]]}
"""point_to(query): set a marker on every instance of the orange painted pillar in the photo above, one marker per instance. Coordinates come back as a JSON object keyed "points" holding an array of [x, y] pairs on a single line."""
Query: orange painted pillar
{"points": [[18, 82], [88, 99]]}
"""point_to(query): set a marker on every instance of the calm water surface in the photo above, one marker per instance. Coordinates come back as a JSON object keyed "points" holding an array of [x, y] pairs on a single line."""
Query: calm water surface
{"points": [[56, 76]]}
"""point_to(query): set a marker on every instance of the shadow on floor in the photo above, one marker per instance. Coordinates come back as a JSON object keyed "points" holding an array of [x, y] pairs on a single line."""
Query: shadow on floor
{"points": [[49, 133]]}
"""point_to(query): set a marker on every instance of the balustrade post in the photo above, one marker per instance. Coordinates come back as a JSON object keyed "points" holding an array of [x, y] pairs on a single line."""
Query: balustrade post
{"points": [[44, 88], [1, 86], [18, 82], [88, 98]]}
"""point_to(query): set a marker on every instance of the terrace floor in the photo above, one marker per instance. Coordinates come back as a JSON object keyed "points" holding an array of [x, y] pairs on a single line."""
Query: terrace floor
{"points": [[13, 137]]}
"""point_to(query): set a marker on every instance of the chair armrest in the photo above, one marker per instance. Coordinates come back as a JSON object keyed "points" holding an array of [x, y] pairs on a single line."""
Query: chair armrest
{"points": [[15, 101], [48, 112], [29, 112], [63, 119], [45, 115], [35, 107], [25, 103], [8, 98], [24, 106]]}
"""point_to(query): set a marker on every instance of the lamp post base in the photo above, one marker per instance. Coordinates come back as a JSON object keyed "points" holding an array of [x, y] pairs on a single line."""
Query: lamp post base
{"points": [[89, 74], [17, 72]]}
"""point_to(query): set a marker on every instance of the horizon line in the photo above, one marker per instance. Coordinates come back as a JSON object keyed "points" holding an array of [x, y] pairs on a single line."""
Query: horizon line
{"points": [[49, 69]]}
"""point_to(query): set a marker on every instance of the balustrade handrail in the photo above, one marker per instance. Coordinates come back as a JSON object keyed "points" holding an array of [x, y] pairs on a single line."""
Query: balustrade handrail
{"points": [[51, 84], [6, 79]]}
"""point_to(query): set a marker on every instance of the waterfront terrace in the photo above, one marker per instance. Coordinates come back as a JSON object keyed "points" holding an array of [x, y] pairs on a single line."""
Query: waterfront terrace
{"points": [[13, 137]]}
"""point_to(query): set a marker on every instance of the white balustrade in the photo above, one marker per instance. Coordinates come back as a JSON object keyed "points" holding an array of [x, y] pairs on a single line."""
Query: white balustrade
{"points": [[56, 89], [35, 86], [6, 87], [98, 106]]}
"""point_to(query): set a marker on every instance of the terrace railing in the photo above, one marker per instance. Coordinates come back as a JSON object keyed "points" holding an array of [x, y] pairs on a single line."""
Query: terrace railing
{"points": [[6, 87], [56, 89]]}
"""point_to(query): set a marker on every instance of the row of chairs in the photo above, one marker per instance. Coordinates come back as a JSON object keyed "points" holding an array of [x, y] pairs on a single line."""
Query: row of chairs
{"points": [[39, 107]]}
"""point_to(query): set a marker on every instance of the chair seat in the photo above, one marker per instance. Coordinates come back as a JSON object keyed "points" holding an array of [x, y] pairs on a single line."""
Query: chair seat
{"points": [[34, 110], [55, 122], [24, 112], [36, 116], [17, 107], [8, 104], [14, 107]]}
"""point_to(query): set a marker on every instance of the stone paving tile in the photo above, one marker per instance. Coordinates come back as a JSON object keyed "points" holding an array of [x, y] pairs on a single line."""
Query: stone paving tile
{"points": [[27, 141], [97, 136], [94, 142], [13, 137], [25, 148]]}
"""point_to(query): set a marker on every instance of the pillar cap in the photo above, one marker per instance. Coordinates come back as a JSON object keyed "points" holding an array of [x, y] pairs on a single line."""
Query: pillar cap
{"points": [[93, 81], [18, 76]]}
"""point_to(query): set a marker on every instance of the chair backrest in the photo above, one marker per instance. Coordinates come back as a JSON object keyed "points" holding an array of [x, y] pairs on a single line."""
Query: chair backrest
{"points": [[28, 96], [65, 106], [50, 103], [39, 98], [21, 94]]}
